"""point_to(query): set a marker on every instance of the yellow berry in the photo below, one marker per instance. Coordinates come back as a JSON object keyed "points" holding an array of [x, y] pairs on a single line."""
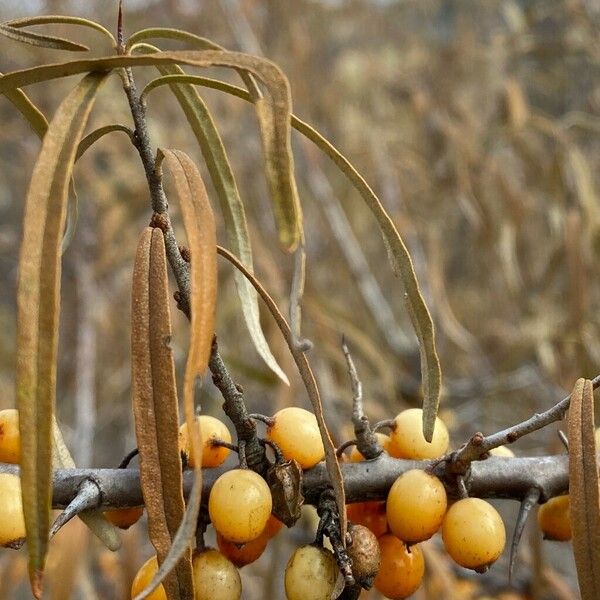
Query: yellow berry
{"points": [[407, 441], [239, 505], [473, 533], [416, 505], [502, 451], [10, 438], [143, 578], [124, 518], [12, 524], [296, 432], [211, 428], [215, 577], [384, 440], [401, 570], [554, 519], [311, 574], [369, 514]]}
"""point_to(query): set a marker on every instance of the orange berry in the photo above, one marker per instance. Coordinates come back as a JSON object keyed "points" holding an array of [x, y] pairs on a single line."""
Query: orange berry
{"points": [[273, 526], [554, 519], [416, 505], [473, 533], [124, 518], [143, 578], [369, 514], [401, 570], [384, 440], [12, 524], [211, 429], [242, 554], [215, 577], [407, 441], [239, 505], [296, 432], [10, 437]]}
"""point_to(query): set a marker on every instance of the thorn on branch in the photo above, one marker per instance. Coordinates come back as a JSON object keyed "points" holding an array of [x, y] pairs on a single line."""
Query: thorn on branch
{"points": [[89, 496], [529, 501]]}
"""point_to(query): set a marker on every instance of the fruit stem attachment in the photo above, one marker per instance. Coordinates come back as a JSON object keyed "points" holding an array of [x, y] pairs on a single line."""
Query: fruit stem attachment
{"points": [[329, 525]]}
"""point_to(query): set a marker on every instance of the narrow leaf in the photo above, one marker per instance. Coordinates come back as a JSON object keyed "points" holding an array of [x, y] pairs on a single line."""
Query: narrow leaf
{"points": [[64, 19], [310, 383], [232, 208], [273, 115], [38, 300], [155, 406], [37, 39], [29, 110], [199, 223], [397, 251], [95, 135], [583, 489]]}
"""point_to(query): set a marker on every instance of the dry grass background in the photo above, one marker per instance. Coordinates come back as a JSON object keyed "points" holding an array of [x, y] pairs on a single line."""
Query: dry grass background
{"points": [[477, 123]]}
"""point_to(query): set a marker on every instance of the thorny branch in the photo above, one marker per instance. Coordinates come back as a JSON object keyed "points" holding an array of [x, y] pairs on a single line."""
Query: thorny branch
{"points": [[496, 477], [479, 445]]}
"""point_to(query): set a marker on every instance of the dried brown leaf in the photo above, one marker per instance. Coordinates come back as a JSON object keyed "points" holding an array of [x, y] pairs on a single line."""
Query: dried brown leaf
{"points": [[38, 300], [583, 489], [155, 406]]}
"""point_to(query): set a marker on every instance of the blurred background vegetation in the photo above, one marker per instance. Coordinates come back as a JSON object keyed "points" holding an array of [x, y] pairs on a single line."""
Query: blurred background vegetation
{"points": [[477, 124]]}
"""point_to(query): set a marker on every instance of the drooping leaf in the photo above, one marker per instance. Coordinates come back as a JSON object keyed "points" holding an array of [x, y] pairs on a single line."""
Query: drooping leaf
{"points": [[37, 39], [155, 406], [232, 208], [29, 110], [192, 41], [273, 114], [64, 19], [201, 234], [308, 378], [38, 300], [397, 251], [583, 489], [94, 136]]}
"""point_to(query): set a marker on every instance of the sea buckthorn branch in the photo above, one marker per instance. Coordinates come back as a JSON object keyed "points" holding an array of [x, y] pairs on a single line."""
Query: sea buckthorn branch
{"points": [[178, 257], [479, 445], [496, 477]]}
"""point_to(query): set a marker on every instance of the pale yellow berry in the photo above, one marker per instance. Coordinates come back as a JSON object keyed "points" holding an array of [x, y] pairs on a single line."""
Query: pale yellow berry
{"points": [[12, 524], [416, 506], [239, 505], [297, 434], [211, 429], [473, 533], [407, 440], [215, 577], [502, 451], [311, 574]]}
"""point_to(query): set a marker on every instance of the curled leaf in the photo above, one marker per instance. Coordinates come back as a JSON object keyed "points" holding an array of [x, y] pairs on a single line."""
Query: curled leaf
{"points": [[583, 489], [38, 302], [155, 405]]}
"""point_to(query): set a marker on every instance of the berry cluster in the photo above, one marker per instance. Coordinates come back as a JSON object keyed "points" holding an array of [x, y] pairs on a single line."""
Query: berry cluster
{"points": [[385, 535]]}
